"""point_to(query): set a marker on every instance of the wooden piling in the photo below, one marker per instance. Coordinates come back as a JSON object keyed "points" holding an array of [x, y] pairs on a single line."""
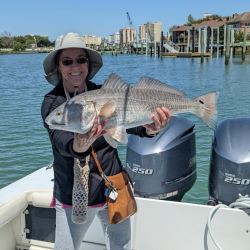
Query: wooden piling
{"points": [[202, 45], [227, 56], [244, 45], [161, 43], [193, 39]]}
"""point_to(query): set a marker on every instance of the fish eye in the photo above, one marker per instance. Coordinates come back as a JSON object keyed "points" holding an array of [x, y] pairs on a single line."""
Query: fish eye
{"points": [[58, 113]]}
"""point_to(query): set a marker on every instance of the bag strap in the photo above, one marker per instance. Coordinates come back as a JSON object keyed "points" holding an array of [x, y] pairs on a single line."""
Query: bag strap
{"points": [[101, 171], [109, 183], [96, 161]]}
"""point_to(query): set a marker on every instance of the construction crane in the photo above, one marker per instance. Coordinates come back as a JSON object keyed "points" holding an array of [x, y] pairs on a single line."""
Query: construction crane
{"points": [[131, 26], [129, 20]]}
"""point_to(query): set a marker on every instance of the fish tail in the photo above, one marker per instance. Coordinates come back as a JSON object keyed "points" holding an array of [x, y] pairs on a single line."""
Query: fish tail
{"points": [[207, 110]]}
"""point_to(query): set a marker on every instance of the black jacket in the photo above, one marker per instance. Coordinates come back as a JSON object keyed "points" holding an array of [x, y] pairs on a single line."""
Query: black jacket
{"points": [[62, 146]]}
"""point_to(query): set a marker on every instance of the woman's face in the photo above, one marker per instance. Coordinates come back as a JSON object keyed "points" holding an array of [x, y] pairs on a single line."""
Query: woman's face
{"points": [[74, 68]]}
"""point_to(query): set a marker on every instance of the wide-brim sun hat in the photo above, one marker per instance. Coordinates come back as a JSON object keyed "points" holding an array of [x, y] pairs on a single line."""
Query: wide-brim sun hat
{"points": [[70, 40]]}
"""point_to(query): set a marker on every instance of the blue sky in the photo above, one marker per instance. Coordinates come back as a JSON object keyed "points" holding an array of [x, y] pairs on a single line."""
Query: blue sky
{"points": [[102, 18]]}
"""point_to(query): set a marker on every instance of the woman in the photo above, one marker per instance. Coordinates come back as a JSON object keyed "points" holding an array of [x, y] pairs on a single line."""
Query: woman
{"points": [[70, 67]]}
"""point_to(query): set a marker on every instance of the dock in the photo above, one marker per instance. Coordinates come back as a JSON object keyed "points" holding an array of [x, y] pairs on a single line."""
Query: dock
{"points": [[185, 54]]}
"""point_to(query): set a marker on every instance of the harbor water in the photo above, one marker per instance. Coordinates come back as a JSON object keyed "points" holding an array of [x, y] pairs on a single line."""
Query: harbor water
{"points": [[24, 143]]}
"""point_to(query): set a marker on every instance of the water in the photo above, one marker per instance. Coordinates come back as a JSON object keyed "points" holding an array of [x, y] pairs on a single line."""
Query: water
{"points": [[24, 143]]}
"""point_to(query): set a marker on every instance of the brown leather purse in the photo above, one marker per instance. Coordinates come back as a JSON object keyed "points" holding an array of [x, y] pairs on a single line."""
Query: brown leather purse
{"points": [[120, 198]]}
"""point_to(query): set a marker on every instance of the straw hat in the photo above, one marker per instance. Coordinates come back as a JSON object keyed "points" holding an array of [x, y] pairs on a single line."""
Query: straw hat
{"points": [[70, 40]]}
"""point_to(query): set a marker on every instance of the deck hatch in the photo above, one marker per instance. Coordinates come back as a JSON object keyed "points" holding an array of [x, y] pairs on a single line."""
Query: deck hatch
{"points": [[40, 223]]}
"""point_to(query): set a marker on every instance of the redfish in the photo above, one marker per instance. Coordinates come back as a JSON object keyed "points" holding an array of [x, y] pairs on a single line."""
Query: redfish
{"points": [[121, 106]]}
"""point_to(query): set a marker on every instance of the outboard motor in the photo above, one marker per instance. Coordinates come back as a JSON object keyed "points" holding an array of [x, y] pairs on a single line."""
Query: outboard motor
{"points": [[230, 161], [163, 167]]}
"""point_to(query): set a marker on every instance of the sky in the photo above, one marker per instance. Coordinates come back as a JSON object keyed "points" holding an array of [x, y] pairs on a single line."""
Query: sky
{"points": [[102, 18]]}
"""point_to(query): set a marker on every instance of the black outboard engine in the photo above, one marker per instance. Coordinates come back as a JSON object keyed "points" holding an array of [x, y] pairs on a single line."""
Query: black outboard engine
{"points": [[230, 161], [163, 167]]}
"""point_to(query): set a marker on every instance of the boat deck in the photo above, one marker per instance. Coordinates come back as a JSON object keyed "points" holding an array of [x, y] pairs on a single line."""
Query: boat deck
{"points": [[157, 225]]}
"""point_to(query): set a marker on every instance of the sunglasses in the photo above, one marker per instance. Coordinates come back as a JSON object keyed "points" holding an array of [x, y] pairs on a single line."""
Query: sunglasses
{"points": [[81, 60]]}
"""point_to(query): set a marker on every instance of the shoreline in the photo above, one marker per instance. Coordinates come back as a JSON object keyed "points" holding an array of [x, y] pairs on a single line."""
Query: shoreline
{"points": [[113, 53], [21, 52]]}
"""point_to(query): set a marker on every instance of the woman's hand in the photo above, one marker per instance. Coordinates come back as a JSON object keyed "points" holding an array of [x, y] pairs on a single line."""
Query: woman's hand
{"points": [[82, 142], [160, 118]]}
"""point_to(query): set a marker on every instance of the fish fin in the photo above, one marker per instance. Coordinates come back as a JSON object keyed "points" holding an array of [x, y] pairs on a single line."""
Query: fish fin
{"points": [[208, 110], [119, 134], [108, 109], [112, 142], [146, 82], [114, 82]]}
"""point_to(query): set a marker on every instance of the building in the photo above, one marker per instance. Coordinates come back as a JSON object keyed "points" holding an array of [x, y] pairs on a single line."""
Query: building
{"points": [[92, 40], [208, 35], [239, 23], [200, 37], [207, 15], [114, 38], [240, 20], [150, 32], [127, 36]]}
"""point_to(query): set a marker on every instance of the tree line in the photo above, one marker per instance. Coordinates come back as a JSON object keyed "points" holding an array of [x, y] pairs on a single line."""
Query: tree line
{"points": [[21, 43]]}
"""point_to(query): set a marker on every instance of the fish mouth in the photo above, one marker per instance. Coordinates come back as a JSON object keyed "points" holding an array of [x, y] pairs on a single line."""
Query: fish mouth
{"points": [[51, 121], [69, 129], [64, 128], [54, 124], [58, 127]]}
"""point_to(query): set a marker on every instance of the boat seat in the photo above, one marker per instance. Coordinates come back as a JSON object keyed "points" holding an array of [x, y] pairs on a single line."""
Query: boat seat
{"points": [[12, 209]]}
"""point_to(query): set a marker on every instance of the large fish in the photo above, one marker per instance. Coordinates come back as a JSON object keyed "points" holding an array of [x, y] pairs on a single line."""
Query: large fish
{"points": [[121, 106]]}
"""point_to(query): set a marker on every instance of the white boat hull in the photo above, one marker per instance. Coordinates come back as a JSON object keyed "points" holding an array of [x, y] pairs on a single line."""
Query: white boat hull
{"points": [[158, 225]]}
